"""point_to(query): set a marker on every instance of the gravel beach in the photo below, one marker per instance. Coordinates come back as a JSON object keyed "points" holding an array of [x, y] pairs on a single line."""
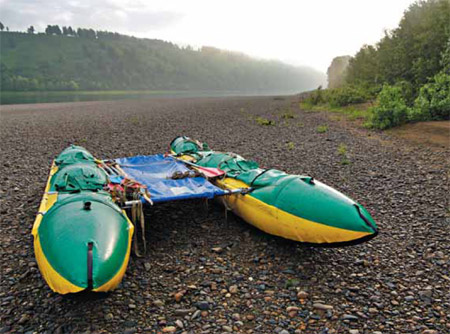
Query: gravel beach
{"points": [[207, 274]]}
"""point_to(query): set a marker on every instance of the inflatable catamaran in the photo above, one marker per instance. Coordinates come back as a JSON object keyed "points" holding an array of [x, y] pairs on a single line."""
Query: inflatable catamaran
{"points": [[92, 210]]}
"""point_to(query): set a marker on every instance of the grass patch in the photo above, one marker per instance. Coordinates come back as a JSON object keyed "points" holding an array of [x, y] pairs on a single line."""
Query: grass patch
{"points": [[290, 283], [342, 149], [264, 121], [322, 128], [134, 120], [290, 146], [352, 113], [345, 161], [288, 115]]}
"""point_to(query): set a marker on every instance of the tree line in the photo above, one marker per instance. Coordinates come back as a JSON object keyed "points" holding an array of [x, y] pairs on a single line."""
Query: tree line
{"points": [[407, 72], [56, 30], [84, 59]]}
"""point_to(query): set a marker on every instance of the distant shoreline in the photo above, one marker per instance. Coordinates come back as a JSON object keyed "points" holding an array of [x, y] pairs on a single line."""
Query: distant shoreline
{"points": [[32, 97]]}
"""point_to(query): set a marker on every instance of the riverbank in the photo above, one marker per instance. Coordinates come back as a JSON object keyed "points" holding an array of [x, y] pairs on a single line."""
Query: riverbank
{"points": [[232, 277], [32, 97]]}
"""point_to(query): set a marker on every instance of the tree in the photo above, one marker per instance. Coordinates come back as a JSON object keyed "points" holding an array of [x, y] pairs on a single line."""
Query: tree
{"points": [[412, 52], [65, 31], [30, 30], [57, 30], [53, 30], [2, 26]]}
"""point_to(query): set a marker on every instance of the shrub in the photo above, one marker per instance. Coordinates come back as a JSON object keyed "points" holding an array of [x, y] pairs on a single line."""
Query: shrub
{"points": [[290, 146], [322, 128], [264, 121], [316, 97], [340, 97], [342, 149], [391, 109], [288, 115], [433, 102]]}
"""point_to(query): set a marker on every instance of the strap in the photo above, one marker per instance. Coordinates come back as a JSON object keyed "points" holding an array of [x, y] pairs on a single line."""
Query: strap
{"points": [[257, 176]]}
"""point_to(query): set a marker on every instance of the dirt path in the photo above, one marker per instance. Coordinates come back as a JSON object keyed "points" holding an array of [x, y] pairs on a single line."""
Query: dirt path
{"points": [[397, 283]]}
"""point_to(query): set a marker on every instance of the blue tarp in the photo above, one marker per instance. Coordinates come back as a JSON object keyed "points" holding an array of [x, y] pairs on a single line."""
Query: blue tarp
{"points": [[155, 171]]}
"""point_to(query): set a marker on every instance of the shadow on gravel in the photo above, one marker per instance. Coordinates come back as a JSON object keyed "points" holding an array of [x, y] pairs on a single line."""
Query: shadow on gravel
{"points": [[86, 296]]}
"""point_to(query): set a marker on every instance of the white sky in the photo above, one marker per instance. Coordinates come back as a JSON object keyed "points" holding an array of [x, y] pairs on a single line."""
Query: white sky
{"points": [[302, 32]]}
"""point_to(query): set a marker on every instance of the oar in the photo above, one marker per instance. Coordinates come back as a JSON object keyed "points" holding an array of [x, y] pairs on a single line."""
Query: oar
{"points": [[209, 172]]}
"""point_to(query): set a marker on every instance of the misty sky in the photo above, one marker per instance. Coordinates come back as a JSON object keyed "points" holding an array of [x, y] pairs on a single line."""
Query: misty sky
{"points": [[300, 32]]}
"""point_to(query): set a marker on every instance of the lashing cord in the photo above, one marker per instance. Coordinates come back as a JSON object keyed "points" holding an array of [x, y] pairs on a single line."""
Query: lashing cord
{"points": [[137, 217]]}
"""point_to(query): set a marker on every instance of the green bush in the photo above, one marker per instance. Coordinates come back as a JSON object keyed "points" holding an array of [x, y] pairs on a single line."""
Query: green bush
{"points": [[433, 102], [316, 97], [391, 109], [343, 96], [264, 121], [322, 128], [340, 97]]}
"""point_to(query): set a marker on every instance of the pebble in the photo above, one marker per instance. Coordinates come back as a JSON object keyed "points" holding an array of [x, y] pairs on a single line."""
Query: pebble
{"points": [[179, 295], [302, 295], [407, 262], [169, 329], [323, 307], [233, 289], [203, 305], [227, 329], [349, 317], [184, 311], [179, 323]]}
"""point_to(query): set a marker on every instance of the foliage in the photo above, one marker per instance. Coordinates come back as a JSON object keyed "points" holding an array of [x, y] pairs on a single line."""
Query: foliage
{"points": [[316, 97], [345, 161], [391, 109], [99, 60], [53, 30], [342, 149], [288, 114], [339, 97], [412, 52], [346, 95], [410, 63], [322, 128], [264, 121], [290, 146], [433, 102]]}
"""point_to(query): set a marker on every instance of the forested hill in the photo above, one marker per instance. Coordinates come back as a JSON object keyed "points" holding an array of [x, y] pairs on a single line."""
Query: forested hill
{"points": [[406, 73], [89, 60]]}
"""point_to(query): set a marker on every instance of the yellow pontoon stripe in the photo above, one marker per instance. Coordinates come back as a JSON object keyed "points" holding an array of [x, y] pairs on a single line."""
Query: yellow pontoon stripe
{"points": [[47, 200], [281, 223], [54, 280]]}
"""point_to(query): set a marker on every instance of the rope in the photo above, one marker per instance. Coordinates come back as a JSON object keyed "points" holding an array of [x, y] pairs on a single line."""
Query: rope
{"points": [[137, 217]]}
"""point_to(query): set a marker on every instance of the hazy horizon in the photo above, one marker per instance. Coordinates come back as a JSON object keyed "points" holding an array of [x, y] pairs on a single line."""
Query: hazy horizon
{"points": [[300, 33]]}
